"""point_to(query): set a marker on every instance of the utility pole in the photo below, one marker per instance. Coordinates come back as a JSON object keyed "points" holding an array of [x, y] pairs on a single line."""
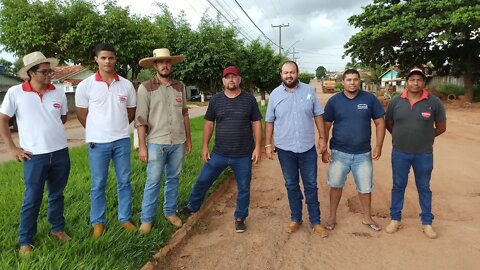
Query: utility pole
{"points": [[294, 52], [280, 35]]}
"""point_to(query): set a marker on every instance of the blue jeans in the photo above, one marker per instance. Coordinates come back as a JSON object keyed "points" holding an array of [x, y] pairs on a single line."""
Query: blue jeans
{"points": [[52, 168], [305, 163], [160, 157], [422, 165], [99, 156], [359, 164], [242, 169]]}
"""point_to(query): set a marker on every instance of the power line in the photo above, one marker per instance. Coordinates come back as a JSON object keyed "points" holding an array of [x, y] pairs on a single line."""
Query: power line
{"points": [[231, 23], [256, 25], [233, 14]]}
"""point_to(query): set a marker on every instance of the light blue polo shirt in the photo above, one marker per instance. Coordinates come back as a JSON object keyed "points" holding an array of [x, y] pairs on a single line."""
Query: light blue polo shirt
{"points": [[292, 116]]}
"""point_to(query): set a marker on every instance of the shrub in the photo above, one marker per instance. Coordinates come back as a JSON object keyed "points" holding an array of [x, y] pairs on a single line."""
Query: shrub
{"points": [[448, 89]]}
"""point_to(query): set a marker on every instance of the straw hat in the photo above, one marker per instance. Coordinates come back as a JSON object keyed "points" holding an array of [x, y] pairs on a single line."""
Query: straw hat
{"points": [[160, 54], [33, 59]]}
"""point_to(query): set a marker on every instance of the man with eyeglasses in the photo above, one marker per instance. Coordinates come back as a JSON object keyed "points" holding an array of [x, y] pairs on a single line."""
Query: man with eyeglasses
{"points": [[43, 149]]}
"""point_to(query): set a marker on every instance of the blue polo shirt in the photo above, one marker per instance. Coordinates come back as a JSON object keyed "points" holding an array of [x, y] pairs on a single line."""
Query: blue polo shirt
{"points": [[351, 120], [292, 116]]}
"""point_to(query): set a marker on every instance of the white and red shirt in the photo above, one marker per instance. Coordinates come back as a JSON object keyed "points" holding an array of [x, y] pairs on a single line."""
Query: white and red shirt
{"points": [[40, 127], [107, 118]]}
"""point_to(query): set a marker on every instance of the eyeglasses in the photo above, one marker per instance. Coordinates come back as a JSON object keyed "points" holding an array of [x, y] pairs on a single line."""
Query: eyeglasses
{"points": [[46, 72]]}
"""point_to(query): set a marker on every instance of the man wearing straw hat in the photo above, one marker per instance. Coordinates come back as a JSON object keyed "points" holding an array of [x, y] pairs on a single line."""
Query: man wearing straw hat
{"points": [[163, 128], [106, 105], [41, 111]]}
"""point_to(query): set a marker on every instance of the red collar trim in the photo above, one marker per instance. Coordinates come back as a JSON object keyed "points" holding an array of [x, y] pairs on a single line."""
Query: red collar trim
{"points": [[424, 96], [27, 87], [98, 78]]}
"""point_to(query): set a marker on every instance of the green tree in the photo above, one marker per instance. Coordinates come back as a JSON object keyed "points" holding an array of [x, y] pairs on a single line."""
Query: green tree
{"points": [[28, 26], [215, 46], [8, 66], [69, 30], [354, 64], [321, 72], [408, 33], [260, 67], [305, 77]]}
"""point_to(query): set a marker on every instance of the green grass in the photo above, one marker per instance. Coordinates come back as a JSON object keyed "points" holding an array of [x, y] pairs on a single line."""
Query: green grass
{"points": [[449, 89], [116, 249], [456, 89]]}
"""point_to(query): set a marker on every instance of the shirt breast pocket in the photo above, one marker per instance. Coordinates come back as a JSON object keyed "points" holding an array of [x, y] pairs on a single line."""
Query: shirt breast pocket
{"points": [[55, 107], [178, 100]]}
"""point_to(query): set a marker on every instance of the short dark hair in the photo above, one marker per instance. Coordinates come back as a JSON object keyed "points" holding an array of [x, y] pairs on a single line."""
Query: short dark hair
{"points": [[32, 69], [104, 47], [350, 71], [290, 62]]}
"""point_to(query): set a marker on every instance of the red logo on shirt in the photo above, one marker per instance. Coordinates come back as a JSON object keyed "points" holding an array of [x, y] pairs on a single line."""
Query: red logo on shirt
{"points": [[57, 105], [122, 99], [179, 99], [426, 115]]}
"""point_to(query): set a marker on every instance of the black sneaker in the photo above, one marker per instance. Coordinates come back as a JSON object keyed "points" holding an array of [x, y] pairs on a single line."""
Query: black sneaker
{"points": [[186, 211], [240, 226]]}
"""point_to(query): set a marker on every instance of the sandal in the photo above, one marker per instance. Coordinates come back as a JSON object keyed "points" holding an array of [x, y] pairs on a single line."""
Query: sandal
{"points": [[330, 225], [372, 226]]}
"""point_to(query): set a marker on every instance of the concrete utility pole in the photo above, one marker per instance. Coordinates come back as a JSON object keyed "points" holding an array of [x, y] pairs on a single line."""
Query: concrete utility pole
{"points": [[293, 57], [280, 35]]}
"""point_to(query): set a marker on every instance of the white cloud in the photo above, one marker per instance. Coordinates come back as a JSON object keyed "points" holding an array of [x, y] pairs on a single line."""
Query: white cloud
{"points": [[318, 28]]}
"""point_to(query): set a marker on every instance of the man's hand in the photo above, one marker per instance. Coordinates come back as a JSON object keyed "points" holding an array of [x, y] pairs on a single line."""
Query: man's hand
{"points": [[376, 153], [143, 154], [322, 146], [256, 155], [269, 152], [20, 154], [188, 146], [326, 158], [205, 154]]}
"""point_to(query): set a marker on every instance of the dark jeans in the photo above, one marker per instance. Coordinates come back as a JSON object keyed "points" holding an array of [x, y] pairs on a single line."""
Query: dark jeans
{"points": [[422, 165], [305, 163], [52, 168], [242, 169]]}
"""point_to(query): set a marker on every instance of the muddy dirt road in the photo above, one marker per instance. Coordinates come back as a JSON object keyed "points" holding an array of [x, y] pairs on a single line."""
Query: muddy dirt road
{"points": [[213, 243]]}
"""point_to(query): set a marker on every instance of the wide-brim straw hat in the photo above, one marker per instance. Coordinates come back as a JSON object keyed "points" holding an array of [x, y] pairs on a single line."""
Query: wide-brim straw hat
{"points": [[32, 59], [160, 54]]}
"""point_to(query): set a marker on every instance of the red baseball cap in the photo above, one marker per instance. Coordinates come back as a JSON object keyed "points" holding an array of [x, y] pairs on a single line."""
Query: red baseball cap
{"points": [[231, 70], [417, 71]]}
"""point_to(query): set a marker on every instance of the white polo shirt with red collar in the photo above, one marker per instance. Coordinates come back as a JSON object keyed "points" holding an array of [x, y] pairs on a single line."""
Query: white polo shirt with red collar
{"points": [[40, 127], [107, 118]]}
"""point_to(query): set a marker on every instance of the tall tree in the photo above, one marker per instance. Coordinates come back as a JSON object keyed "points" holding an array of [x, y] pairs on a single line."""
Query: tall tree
{"points": [[321, 72], [30, 26], [215, 47], [444, 33], [260, 67], [69, 30]]}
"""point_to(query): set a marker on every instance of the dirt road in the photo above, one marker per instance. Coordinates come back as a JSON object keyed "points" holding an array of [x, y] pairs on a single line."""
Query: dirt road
{"points": [[213, 243]]}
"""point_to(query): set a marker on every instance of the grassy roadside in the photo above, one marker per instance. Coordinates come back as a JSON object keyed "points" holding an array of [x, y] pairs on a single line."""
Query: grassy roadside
{"points": [[116, 249]]}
